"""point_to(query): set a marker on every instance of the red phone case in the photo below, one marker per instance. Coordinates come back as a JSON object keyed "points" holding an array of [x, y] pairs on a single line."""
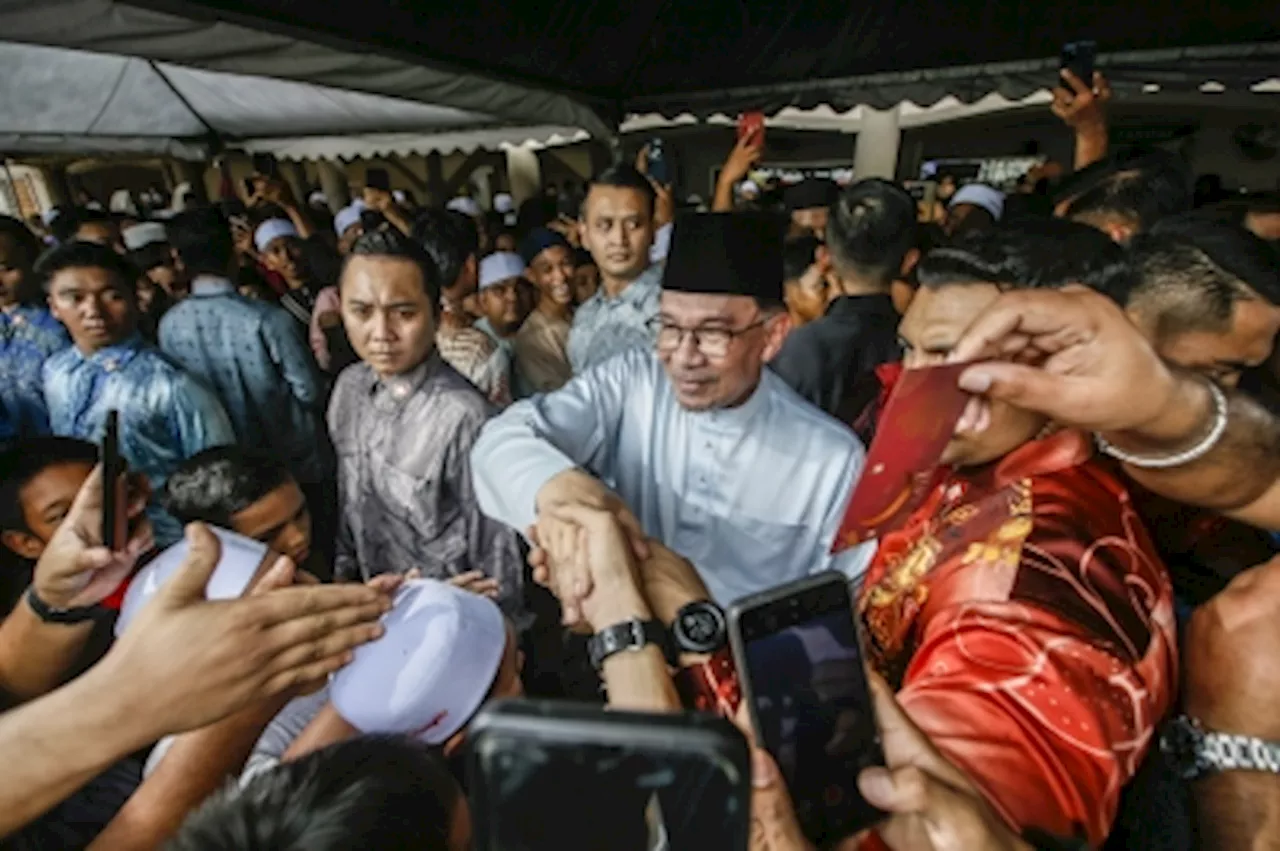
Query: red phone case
{"points": [[916, 426], [751, 123]]}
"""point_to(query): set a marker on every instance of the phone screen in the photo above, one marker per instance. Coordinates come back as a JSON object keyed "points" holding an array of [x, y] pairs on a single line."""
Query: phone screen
{"points": [[1078, 57], [659, 165], [114, 497], [811, 706]]}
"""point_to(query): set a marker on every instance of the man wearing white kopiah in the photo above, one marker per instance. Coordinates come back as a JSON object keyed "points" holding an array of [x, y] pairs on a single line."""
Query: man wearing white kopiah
{"points": [[715, 455]]}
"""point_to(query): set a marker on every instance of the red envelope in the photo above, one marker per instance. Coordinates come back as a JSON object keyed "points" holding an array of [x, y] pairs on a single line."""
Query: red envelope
{"points": [[917, 424]]}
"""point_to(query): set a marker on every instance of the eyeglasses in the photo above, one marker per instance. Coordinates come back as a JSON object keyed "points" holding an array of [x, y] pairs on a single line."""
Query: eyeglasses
{"points": [[712, 342]]}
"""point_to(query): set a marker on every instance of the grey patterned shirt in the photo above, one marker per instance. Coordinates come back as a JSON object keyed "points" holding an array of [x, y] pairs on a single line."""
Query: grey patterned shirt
{"points": [[604, 326], [405, 497]]}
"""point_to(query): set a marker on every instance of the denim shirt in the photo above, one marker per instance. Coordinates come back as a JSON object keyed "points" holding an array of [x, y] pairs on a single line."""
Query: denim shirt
{"points": [[166, 415], [28, 336], [255, 359]]}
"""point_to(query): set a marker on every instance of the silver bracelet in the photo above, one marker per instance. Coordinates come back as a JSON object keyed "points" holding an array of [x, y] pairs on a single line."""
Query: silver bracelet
{"points": [[1186, 456]]}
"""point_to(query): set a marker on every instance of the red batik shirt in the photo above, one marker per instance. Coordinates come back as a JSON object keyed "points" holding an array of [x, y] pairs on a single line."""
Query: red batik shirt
{"points": [[1027, 623]]}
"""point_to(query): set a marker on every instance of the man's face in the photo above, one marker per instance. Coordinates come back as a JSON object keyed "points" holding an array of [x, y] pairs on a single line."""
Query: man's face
{"points": [[387, 314], [103, 233], [807, 295], [552, 273], [813, 220], [15, 265], [98, 310], [280, 520], [934, 322], [1222, 356], [703, 380], [500, 304], [284, 257], [45, 502], [617, 228]]}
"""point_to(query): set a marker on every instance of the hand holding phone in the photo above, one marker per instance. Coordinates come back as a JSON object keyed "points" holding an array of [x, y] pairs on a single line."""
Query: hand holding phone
{"points": [[751, 129], [800, 666], [1079, 57]]}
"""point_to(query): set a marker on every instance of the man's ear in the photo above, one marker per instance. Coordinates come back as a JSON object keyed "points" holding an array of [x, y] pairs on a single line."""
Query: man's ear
{"points": [[909, 263], [778, 328], [24, 544]]}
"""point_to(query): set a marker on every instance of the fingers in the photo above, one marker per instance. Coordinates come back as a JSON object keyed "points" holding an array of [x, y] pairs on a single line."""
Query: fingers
{"points": [[336, 643], [1024, 314], [386, 583], [281, 574], [975, 418], [1056, 396], [189, 581], [300, 603], [327, 629], [904, 791], [1078, 87], [771, 808]]}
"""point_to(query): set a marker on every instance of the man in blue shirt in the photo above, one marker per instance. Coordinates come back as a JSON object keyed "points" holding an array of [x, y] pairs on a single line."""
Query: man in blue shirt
{"points": [[250, 353], [166, 415], [28, 335]]}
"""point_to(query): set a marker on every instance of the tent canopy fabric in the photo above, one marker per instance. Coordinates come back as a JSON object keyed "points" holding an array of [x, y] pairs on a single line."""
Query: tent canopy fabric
{"points": [[726, 55]]}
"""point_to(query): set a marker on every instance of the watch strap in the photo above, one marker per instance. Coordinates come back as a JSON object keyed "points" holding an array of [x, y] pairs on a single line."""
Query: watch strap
{"points": [[628, 635], [52, 614], [1230, 752]]}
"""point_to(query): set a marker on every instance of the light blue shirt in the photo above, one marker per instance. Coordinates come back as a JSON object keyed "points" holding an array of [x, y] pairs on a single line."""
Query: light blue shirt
{"points": [[753, 496], [520, 389], [252, 355], [605, 326], [166, 416], [28, 336]]}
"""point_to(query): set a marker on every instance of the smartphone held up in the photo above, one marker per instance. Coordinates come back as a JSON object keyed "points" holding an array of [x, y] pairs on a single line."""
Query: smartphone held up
{"points": [[799, 662]]}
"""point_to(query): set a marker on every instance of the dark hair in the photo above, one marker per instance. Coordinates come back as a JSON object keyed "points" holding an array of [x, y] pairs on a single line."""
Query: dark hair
{"points": [[582, 257], [449, 239], [25, 460], [388, 793], [1030, 254], [623, 176], [63, 226], [26, 241], [1138, 187], [202, 240], [798, 254], [871, 228], [215, 484], [1192, 271], [392, 244], [87, 255]]}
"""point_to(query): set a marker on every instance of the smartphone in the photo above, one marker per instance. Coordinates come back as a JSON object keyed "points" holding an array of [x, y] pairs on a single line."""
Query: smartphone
{"points": [[371, 220], [377, 178], [751, 124], [115, 497], [800, 666], [658, 163], [535, 767], [1078, 57], [241, 561]]}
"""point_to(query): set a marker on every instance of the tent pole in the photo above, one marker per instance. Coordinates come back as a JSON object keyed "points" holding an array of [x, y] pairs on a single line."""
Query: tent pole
{"points": [[213, 133]]}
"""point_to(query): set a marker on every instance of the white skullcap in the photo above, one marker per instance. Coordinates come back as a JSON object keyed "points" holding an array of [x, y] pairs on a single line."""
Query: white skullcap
{"points": [[121, 201], [140, 236], [504, 203], [749, 187], [500, 267], [466, 206], [49, 215], [273, 229], [348, 216], [317, 199], [240, 559], [979, 195], [430, 671], [399, 197]]}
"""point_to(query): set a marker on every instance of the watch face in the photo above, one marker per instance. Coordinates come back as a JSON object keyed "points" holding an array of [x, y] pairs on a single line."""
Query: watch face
{"points": [[700, 628]]}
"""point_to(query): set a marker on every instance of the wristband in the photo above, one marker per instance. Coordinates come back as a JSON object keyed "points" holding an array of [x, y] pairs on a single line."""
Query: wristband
{"points": [[711, 686], [52, 614], [1186, 456]]}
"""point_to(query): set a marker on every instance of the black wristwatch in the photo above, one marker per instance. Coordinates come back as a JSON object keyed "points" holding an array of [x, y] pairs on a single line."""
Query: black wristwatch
{"points": [[628, 635], [699, 627], [53, 614]]}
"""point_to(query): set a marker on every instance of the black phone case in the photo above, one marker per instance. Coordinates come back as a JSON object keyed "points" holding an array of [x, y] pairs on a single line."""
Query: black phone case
{"points": [[552, 722], [112, 470]]}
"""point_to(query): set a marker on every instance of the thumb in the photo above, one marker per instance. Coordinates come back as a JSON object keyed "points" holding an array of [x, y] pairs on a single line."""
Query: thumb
{"points": [[189, 581], [1022, 386]]}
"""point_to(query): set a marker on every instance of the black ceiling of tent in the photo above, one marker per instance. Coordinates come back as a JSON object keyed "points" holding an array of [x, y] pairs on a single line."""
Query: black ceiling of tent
{"points": [[612, 51]]}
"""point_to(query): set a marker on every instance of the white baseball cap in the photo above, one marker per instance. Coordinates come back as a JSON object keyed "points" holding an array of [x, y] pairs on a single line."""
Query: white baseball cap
{"points": [[499, 267], [271, 230], [432, 668]]}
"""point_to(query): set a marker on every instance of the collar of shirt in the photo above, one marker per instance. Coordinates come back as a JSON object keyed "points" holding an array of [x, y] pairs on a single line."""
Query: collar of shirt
{"points": [[114, 357], [211, 285], [853, 306], [390, 394], [635, 292]]}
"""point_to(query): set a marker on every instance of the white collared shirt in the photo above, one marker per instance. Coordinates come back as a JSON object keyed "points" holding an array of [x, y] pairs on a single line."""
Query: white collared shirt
{"points": [[752, 495]]}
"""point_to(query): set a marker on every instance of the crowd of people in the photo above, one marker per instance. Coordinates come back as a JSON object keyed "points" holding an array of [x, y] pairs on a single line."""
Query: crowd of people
{"points": [[472, 440]]}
